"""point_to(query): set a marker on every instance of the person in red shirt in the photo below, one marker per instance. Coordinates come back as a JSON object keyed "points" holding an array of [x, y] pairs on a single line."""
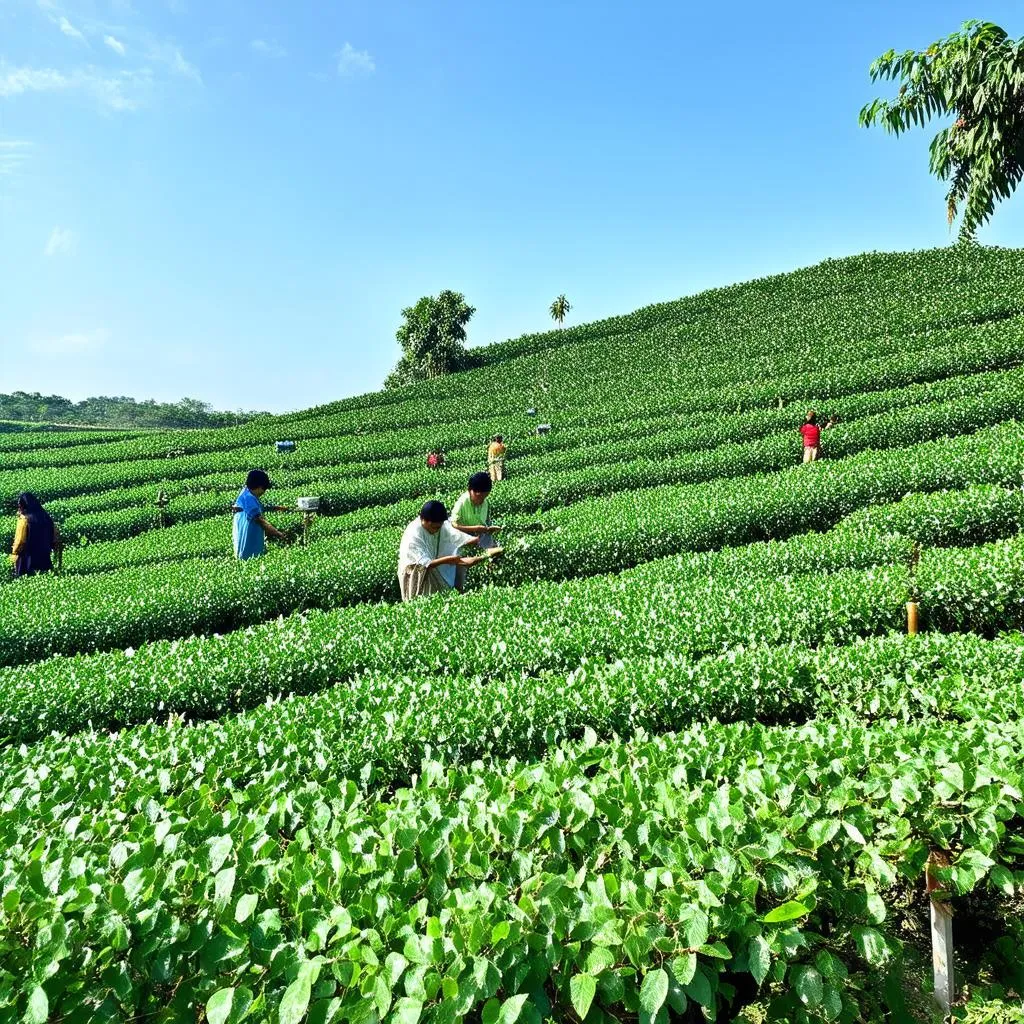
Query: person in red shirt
{"points": [[811, 433]]}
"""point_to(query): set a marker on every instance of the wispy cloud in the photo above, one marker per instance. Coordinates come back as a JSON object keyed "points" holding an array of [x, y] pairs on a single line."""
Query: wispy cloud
{"points": [[13, 153], [14, 81], [154, 62], [353, 62], [69, 30], [169, 54], [76, 343], [61, 242], [268, 49], [124, 90]]}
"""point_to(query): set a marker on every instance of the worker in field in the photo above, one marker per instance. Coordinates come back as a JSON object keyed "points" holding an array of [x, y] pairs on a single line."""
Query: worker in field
{"points": [[435, 459], [496, 458], [472, 514], [36, 538], [429, 553], [811, 434], [251, 527]]}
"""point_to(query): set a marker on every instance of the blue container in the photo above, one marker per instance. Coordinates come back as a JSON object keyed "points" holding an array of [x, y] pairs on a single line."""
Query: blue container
{"points": [[285, 446]]}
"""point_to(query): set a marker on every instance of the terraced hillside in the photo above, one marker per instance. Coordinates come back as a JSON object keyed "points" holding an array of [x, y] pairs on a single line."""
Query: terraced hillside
{"points": [[673, 759]]}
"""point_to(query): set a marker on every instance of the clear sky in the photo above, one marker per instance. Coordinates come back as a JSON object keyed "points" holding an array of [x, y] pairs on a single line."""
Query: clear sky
{"points": [[234, 200]]}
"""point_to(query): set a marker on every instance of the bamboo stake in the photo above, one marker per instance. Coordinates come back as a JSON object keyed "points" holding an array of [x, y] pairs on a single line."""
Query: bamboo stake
{"points": [[912, 608]]}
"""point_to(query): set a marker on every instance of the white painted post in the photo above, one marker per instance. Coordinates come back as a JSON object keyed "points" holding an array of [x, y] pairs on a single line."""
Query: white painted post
{"points": [[942, 937], [942, 955]]}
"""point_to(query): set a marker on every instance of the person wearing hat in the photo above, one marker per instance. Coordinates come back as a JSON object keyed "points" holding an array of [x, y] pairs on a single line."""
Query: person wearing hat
{"points": [[251, 527], [472, 514], [428, 555]]}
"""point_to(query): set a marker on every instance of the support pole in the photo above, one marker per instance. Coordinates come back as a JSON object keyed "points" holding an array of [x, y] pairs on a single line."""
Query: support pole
{"points": [[942, 937], [912, 608], [162, 501]]}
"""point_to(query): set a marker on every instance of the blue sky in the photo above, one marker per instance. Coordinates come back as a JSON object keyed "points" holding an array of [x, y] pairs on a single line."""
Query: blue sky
{"points": [[233, 201]]}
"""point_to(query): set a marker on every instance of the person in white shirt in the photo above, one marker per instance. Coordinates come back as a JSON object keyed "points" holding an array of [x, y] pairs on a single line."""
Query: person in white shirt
{"points": [[428, 554]]}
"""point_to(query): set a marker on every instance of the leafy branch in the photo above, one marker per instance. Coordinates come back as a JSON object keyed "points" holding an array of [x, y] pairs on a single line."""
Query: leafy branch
{"points": [[976, 76]]}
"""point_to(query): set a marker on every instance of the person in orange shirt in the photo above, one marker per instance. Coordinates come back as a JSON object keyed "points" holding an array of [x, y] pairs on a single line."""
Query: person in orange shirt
{"points": [[496, 458]]}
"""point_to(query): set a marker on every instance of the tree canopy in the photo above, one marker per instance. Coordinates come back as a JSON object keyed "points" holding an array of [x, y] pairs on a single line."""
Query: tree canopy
{"points": [[977, 76], [432, 336], [559, 308]]}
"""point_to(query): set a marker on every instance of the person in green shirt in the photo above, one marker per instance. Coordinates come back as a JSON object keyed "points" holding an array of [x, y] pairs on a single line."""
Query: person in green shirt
{"points": [[472, 514]]}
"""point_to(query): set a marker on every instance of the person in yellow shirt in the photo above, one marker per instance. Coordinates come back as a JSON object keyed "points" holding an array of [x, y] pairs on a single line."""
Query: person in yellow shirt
{"points": [[35, 538], [496, 458]]}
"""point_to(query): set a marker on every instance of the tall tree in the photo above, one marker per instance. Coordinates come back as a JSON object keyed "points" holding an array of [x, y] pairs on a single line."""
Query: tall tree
{"points": [[977, 76], [559, 308], [432, 336]]}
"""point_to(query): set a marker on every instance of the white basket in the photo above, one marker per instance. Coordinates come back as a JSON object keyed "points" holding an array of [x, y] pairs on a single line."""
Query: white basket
{"points": [[308, 504]]}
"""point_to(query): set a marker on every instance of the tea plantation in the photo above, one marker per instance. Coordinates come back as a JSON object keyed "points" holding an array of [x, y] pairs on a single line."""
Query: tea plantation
{"points": [[673, 758]]}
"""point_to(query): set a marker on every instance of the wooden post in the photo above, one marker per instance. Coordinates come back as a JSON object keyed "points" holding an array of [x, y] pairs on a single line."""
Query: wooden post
{"points": [[942, 936], [162, 501], [307, 521], [912, 618]]}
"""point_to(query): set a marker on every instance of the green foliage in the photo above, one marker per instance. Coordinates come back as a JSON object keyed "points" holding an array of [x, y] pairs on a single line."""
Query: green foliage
{"points": [[560, 309], [671, 754], [433, 902], [432, 338], [977, 76]]}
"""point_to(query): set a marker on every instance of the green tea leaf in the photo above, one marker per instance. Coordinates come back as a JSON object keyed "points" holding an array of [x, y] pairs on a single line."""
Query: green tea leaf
{"points": [[788, 911], [38, 1011], [653, 991], [407, 1011], [511, 1008], [218, 1006], [582, 988], [759, 957], [295, 1001], [809, 986], [246, 905], [871, 945], [684, 967]]}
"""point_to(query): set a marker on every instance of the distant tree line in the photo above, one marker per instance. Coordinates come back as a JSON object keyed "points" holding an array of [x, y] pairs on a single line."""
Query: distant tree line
{"points": [[103, 411]]}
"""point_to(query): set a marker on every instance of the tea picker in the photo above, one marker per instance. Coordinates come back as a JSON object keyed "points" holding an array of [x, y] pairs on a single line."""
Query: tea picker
{"points": [[251, 529], [496, 458], [428, 555], [472, 514]]}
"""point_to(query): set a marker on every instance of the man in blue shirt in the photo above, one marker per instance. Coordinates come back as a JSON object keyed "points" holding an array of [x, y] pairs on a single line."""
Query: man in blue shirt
{"points": [[251, 528]]}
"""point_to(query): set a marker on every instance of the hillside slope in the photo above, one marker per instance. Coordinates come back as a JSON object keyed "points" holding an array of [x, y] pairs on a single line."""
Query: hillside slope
{"points": [[673, 756]]}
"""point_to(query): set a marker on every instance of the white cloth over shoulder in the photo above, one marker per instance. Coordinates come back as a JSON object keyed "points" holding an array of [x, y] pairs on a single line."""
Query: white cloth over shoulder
{"points": [[419, 547]]}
